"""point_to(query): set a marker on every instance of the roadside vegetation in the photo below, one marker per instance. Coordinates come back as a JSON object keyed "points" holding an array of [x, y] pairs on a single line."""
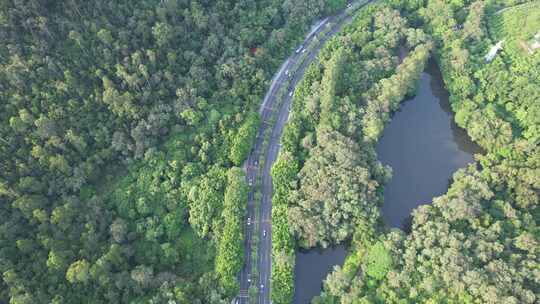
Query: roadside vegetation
{"points": [[122, 128]]}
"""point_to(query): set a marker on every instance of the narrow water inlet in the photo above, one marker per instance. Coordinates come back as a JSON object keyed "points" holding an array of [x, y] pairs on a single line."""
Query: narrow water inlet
{"points": [[312, 267]]}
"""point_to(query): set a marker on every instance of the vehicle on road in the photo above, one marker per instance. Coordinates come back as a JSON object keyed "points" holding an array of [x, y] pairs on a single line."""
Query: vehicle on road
{"points": [[250, 182], [273, 95]]}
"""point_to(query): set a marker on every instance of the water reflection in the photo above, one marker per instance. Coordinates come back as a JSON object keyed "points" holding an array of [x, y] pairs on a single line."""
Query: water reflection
{"points": [[424, 147], [312, 267], [461, 138]]}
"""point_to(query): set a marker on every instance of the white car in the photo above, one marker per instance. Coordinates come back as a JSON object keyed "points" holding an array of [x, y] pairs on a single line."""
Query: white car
{"points": [[262, 286], [287, 72], [298, 50], [249, 221], [250, 182], [290, 93], [264, 233], [304, 50]]}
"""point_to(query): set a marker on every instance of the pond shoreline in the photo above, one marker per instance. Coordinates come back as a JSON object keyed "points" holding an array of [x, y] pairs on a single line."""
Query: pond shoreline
{"points": [[424, 147]]}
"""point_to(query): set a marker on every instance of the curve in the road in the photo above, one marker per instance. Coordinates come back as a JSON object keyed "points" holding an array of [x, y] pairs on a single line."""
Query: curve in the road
{"points": [[251, 166]]}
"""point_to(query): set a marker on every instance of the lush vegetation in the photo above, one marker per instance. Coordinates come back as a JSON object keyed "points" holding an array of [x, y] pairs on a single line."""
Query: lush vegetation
{"points": [[121, 126], [327, 179], [479, 242]]}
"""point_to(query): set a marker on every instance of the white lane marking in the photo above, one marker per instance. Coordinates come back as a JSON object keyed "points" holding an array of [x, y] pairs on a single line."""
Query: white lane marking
{"points": [[316, 27], [273, 84]]}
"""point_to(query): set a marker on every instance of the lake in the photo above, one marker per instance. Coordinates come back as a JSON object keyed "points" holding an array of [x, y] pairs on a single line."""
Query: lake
{"points": [[424, 147]]}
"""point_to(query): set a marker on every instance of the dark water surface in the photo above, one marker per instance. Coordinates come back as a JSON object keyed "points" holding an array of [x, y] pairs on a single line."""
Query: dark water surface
{"points": [[312, 267], [424, 147]]}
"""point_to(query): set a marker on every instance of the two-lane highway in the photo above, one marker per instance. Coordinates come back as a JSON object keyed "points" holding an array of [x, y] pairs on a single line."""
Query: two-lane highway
{"points": [[285, 77]]}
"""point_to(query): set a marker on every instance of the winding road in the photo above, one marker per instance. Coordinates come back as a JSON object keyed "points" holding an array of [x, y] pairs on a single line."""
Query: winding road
{"points": [[306, 53]]}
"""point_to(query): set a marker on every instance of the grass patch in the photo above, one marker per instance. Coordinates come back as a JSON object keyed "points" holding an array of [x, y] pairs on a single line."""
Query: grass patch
{"points": [[379, 261], [517, 26]]}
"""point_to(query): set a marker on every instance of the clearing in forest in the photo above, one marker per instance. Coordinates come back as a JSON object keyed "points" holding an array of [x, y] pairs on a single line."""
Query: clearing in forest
{"points": [[520, 29]]}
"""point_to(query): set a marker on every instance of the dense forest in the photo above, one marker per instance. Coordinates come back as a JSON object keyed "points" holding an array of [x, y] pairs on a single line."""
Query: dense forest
{"points": [[327, 179], [121, 126], [478, 243], [124, 124]]}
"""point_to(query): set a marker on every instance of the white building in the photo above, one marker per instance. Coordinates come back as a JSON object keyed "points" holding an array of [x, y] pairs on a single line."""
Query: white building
{"points": [[493, 51]]}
